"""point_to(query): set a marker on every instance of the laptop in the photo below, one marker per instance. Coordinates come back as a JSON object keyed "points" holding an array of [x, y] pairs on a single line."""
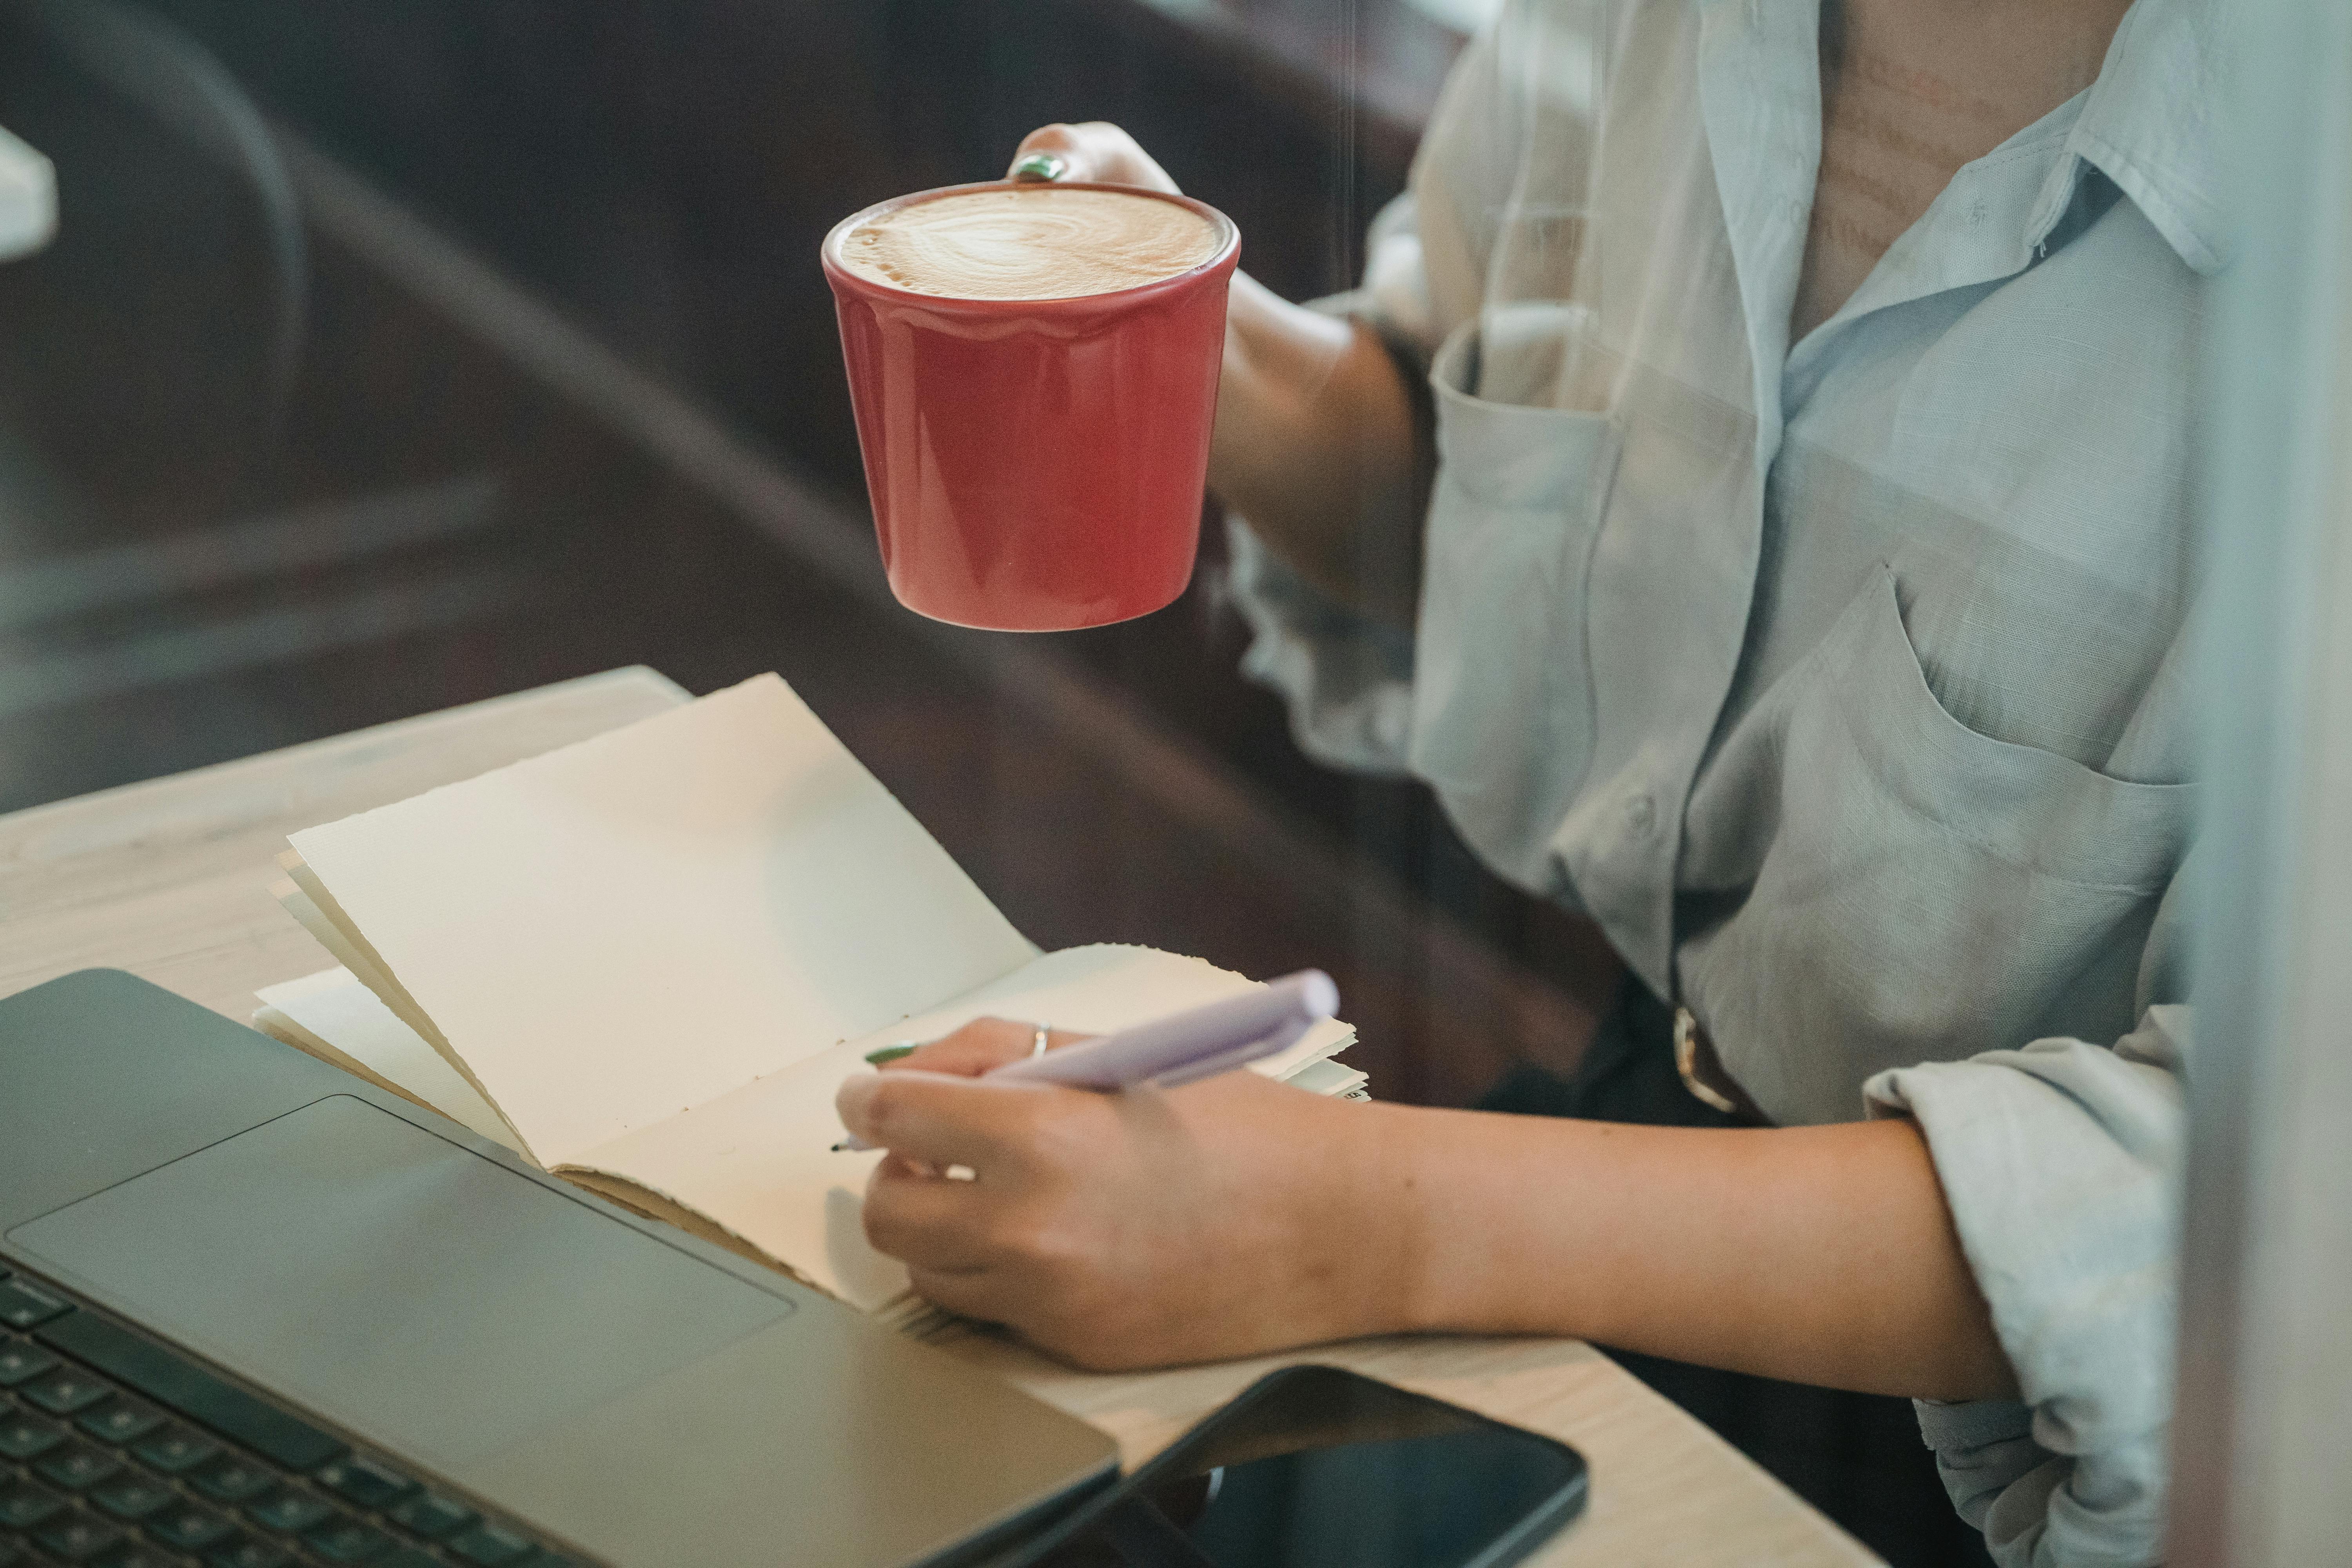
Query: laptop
{"points": [[256, 1313]]}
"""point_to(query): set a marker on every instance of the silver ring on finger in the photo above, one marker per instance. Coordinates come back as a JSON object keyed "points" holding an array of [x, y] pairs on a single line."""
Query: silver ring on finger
{"points": [[1037, 1045]]}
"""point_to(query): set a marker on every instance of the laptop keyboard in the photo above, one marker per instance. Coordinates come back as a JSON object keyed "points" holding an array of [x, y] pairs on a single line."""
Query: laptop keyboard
{"points": [[117, 1453]]}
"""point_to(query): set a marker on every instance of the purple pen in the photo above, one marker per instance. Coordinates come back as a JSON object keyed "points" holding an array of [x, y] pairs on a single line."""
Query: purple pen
{"points": [[1185, 1048]]}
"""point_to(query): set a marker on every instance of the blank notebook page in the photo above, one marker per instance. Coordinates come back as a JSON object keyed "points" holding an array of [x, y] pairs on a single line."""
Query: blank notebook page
{"points": [[638, 923]]}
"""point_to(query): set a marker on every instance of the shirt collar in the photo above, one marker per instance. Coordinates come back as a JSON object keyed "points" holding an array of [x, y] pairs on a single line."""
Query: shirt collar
{"points": [[2152, 123], [1760, 100]]}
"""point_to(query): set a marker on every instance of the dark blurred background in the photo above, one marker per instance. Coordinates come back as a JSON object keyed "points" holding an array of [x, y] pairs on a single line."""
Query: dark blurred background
{"points": [[398, 353], [391, 356]]}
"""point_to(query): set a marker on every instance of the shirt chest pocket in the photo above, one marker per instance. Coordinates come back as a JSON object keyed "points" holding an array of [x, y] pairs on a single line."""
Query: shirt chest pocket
{"points": [[1502, 708], [1921, 892]]}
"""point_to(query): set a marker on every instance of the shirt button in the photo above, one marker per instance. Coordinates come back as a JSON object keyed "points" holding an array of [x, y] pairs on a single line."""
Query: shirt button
{"points": [[1640, 815]]}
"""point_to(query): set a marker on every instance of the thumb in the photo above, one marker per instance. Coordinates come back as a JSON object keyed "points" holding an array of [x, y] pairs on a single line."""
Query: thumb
{"points": [[937, 1120], [1093, 151]]}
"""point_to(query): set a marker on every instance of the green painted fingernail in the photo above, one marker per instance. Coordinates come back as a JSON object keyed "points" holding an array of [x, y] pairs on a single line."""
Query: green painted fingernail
{"points": [[890, 1053]]}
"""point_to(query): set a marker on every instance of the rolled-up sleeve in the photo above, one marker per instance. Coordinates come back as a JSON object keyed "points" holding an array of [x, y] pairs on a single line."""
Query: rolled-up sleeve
{"points": [[1346, 678], [2061, 1163]]}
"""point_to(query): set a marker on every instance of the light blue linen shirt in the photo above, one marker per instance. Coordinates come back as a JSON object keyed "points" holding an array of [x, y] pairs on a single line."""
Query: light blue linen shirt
{"points": [[1842, 681]]}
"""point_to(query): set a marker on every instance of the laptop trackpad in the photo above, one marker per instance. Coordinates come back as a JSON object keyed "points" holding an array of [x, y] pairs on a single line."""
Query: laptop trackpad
{"points": [[404, 1287]]}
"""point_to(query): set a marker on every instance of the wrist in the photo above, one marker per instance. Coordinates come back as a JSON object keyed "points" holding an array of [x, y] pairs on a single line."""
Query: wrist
{"points": [[1455, 1242], [1382, 1227]]}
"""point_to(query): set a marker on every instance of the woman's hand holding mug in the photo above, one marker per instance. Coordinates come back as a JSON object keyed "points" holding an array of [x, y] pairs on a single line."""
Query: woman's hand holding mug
{"points": [[1094, 151]]}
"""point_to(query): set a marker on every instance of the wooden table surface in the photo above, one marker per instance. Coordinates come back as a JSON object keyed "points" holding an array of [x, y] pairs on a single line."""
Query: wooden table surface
{"points": [[168, 879]]}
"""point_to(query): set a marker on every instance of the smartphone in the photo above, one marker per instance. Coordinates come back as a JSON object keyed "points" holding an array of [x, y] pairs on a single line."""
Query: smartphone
{"points": [[1313, 1466]]}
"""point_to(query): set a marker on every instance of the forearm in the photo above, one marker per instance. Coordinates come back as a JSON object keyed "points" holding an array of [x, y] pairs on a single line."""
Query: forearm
{"points": [[1316, 444], [1819, 1255]]}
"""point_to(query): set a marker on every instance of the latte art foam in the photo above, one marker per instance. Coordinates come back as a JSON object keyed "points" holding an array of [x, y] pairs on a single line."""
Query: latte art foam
{"points": [[1029, 242]]}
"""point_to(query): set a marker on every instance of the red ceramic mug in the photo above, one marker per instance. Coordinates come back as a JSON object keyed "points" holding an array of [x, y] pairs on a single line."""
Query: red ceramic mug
{"points": [[1036, 465]]}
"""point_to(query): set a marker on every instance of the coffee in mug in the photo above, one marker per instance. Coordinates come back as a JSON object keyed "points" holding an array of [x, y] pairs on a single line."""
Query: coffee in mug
{"points": [[1029, 242], [1034, 369]]}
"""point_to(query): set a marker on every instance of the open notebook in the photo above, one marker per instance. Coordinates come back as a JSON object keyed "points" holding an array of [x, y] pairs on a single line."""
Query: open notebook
{"points": [[645, 962]]}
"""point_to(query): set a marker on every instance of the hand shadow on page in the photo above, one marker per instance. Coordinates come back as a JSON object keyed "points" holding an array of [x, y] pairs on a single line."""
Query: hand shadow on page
{"points": [[867, 1278]]}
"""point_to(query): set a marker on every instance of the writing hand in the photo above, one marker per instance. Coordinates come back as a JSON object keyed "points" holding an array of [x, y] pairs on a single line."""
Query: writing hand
{"points": [[1116, 1230]]}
